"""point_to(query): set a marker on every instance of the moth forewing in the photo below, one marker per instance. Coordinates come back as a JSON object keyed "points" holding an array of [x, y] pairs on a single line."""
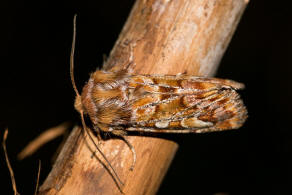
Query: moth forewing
{"points": [[184, 104], [119, 102]]}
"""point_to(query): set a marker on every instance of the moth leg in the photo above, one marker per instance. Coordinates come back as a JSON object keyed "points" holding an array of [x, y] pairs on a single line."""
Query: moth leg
{"points": [[99, 138], [98, 130], [121, 134], [133, 152], [104, 59], [131, 61]]}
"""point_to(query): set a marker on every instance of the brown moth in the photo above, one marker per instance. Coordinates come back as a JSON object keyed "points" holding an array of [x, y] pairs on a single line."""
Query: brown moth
{"points": [[118, 102]]}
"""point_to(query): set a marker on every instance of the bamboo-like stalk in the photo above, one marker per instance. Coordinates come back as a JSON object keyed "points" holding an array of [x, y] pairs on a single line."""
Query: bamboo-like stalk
{"points": [[165, 37]]}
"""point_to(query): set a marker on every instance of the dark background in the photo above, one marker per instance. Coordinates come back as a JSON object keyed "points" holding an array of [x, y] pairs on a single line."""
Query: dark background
{"points": [[36, 94]]}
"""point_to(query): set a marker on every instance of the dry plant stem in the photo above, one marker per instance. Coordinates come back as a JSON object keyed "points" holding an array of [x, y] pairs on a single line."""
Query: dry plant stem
{"points": [[47, 136], [8, 163], [166, 37], [38, 179]]}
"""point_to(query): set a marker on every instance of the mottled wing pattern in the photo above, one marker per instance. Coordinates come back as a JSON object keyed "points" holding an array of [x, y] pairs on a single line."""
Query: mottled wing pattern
{"points": [[184, 104]]}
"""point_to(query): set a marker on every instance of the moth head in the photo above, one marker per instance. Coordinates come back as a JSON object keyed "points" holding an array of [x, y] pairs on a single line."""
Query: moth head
{"points": [[78, 104], [78, 100]]}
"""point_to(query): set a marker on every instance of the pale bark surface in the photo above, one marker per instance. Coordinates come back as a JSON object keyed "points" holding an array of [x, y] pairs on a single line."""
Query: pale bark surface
{"points": [[167, 37]]}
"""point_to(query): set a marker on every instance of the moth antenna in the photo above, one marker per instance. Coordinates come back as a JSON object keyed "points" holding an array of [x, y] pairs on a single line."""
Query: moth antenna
{"points": [[79, 97], [72, 57]]}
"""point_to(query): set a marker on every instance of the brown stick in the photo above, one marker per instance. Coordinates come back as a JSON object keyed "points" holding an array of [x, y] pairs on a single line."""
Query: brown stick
{"points": [[168, 37], [14, 186], [45, 137]]}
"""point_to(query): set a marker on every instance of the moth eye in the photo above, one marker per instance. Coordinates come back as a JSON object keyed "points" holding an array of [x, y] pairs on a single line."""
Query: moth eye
{"points": [[194, 122], [162, 124]]}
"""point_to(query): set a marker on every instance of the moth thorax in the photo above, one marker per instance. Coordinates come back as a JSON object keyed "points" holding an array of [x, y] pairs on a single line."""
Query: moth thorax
{"points": [[78, 104]]}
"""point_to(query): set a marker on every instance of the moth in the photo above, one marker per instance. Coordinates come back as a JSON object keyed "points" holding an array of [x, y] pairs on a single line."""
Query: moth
{"points": [[118, 102]]}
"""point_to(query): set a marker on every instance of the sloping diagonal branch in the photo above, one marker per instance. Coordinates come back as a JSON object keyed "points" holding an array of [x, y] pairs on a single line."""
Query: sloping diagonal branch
{"points": [[168, 37]]}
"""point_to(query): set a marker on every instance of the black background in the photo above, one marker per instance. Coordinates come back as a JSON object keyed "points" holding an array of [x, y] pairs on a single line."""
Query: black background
{"points": [[36, 94]]}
